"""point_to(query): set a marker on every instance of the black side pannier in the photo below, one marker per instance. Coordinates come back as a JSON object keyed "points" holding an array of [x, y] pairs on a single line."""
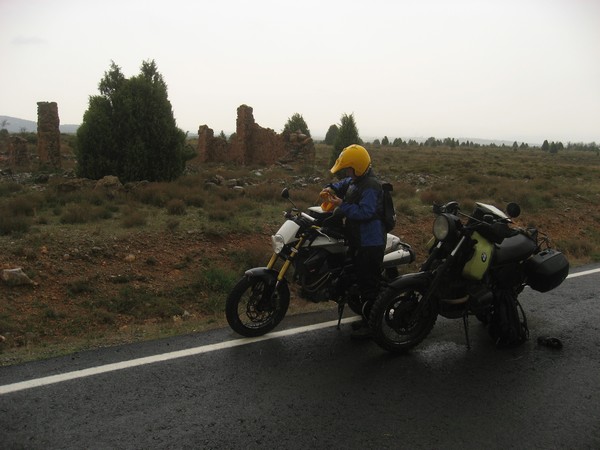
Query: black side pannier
{"points": [[546, 270]]}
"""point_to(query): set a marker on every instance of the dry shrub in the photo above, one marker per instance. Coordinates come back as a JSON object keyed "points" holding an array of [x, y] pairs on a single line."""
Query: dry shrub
{"points": [[219, 215], [305, 196], [224, 194], [80, 286], [10, 223], [152, 194], [75, 213], [264, 192], [403, 190], [25, 205], [172, 225], [575, 247], [196, 198], [229, 201], [405, 208], [9, 188], [141, 304], [176, 207], [431, 196], [81, 213], [133, 218], [190, 181]]}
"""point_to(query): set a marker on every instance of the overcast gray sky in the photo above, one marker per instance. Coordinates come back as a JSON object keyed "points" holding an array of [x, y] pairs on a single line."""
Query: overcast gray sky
{"points": [[524, 70]]}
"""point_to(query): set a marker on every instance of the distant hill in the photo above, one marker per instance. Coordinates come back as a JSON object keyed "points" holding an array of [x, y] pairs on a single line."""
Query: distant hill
{"points": [[16, 125]]}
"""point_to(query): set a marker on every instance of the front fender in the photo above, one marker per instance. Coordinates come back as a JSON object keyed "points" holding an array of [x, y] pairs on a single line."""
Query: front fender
{"points": [[269, 276], [410, 279]]}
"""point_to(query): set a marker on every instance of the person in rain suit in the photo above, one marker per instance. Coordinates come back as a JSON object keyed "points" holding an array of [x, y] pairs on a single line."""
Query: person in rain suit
{"points": [[358, 195]]}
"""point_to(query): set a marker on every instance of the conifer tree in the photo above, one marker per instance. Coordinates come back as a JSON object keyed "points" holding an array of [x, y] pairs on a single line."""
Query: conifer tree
{"points": [[545, 145], [347, 135], [331, 134], [296, 123], [129, 130]]}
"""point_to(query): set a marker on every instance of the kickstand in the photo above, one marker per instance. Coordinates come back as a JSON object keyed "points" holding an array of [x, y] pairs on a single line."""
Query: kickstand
{"points": [[340, 313], [466, 325]]}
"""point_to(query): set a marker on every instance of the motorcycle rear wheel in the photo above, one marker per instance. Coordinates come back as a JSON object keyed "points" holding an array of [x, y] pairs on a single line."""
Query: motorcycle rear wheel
{"points": [[249, 309], [392, 319]]}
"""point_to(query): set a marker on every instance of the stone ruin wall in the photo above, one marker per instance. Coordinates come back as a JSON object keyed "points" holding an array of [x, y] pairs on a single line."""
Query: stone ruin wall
{"points": [[48, 134], [211, 148], [253, 144]]}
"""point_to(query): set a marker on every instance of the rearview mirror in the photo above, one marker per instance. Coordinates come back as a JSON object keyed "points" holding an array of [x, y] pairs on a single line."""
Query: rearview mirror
{"points": [[513, 210]]}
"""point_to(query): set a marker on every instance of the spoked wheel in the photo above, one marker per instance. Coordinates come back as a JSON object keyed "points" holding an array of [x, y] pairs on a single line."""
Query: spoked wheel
{"points": [[396, 324], [253, 309]]}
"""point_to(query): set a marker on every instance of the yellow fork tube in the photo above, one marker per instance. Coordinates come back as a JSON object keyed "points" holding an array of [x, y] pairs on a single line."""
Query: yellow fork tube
{"points": [[286, 264], [272, 261]]}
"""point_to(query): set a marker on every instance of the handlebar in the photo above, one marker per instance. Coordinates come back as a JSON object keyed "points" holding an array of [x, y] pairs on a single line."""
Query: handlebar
{"points": [[490, 226]]}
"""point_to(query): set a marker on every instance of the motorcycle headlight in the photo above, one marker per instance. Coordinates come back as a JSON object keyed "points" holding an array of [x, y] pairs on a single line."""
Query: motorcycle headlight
{"points": [[443, 226], [278, 242]]}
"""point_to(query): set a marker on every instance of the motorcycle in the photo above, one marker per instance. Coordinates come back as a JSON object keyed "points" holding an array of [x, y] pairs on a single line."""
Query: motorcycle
{"points": [[313, 244], [477, 265]]}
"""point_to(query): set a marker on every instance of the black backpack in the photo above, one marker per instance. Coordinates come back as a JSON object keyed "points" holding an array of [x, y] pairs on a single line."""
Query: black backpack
{"points": [[388, 216]]}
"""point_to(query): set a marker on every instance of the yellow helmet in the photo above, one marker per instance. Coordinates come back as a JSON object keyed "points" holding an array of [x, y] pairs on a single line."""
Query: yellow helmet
{"points": [[354, 156]]}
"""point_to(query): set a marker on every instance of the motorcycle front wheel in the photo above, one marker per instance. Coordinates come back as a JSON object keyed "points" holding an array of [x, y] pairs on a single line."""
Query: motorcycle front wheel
{"points": [[396, 325], [253, 309]]}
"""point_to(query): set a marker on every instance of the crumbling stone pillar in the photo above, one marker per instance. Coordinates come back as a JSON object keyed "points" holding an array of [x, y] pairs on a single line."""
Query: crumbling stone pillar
{"points": [[205, 136], [48, 134], [243, 133], [17, 152], [211, 148]]}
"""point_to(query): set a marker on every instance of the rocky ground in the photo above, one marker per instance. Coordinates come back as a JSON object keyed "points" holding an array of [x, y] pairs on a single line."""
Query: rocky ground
{"points": [[67, 276]]}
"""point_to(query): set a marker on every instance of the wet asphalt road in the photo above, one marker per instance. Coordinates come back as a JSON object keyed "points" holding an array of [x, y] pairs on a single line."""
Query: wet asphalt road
{"points": [[318, 389]]}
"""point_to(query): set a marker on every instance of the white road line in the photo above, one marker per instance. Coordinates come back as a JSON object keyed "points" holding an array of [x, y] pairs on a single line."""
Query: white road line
{"points": [[581, 274], [38, 382], [8, 388]]}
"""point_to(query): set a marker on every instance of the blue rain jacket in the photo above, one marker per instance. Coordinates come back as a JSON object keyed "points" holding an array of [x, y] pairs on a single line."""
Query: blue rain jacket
{"points": [[362, 207]]}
